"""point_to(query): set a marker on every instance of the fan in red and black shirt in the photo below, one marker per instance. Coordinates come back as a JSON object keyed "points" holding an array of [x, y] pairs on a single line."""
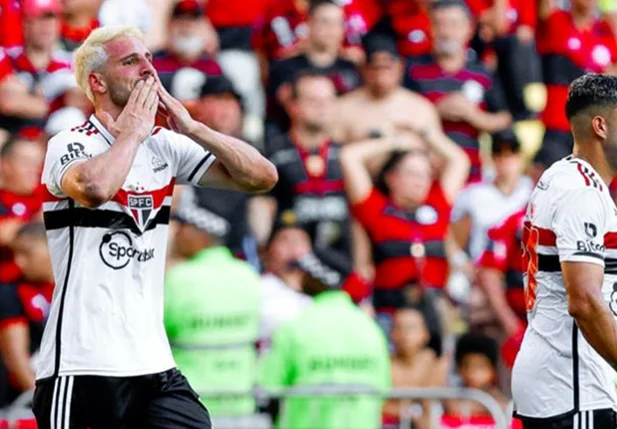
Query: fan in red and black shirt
{"points": [[571, 43], [11, 34], [20, 201], [79, 18], [406, 214], [24, 306], [310, 187], [469, 100], [185, 66], [326, 30], [410, 22], [500, 276]]}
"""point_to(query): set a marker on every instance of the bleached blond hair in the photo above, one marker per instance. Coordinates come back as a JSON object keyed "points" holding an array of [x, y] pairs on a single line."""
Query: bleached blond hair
{"points": [[92, 56]]}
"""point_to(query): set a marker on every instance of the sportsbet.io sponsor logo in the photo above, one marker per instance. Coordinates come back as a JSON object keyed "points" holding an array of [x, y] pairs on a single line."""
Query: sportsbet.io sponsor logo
{"points": [[117, 251]]}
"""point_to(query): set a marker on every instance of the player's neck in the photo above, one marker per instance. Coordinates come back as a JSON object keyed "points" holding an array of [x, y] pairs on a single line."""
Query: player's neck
{"points": [[108, 107], [594, 155]]}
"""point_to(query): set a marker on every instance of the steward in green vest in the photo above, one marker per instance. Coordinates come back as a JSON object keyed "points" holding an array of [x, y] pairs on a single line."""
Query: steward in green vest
{"points": [[212, 310]]}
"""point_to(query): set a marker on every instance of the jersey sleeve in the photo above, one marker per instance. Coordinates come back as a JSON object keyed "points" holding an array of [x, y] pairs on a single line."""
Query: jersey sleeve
{"points": [[579, 223], [63, 151], [11, 309], [191, 160], [368, 212]]}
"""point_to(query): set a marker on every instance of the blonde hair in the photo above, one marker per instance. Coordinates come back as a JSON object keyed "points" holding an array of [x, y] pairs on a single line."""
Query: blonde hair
{"points": [[91, 55]]}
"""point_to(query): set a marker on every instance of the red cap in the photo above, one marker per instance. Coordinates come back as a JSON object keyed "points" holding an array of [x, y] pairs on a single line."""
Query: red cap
{"points": [[191, 8], [34, 8]]}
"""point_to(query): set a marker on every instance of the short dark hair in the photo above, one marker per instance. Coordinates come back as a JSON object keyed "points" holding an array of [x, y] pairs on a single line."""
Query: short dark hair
{"points": [[393, 161], [10, 145], [591, 90], [304, 74], [443, 4], [476, 344], [34, 230], [316, 4]]}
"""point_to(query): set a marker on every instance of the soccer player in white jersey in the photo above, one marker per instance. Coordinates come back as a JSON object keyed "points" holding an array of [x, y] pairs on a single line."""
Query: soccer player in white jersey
{"points": [[105, 360], [562, 374]]}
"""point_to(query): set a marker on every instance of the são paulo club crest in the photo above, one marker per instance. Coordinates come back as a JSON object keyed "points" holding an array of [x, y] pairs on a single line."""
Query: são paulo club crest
{"points": [[141, 207]]}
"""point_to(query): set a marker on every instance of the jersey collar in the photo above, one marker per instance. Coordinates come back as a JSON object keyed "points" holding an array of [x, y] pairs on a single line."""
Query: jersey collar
{"points": [[101, 129]]}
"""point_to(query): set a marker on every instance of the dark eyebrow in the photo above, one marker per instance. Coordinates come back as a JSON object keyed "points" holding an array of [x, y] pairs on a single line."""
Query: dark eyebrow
{"points": [[123, 59]]}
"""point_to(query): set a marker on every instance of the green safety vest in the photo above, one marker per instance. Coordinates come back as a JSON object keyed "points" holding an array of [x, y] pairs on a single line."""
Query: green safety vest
{"points": [[212, 305], [333, 342]]}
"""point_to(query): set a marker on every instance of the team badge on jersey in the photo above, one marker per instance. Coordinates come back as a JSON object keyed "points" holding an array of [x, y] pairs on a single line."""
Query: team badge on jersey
{"points": [[141, 207]]}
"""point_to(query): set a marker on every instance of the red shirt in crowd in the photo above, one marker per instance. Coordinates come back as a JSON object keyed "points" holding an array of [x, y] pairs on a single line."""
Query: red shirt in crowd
{"points": [[15, 207], [569, 52], [412, 26], [283, 26], [235, 13], [11, 32], [518, 12], [72, 37], [408, 247], [504, 254]]}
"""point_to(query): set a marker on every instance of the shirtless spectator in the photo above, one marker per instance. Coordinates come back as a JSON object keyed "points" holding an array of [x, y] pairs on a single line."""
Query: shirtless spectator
{"points": [[382, 104], [185, 66], [47, 78], [21, 162], [414, 364], [467, 97], [79, 18], [326, 32]]}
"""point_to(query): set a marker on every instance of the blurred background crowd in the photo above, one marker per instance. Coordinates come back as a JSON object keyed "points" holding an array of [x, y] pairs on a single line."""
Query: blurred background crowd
{"points": [[408, 136]]}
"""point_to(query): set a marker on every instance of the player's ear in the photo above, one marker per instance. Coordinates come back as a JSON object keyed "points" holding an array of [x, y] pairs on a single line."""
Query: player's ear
{"points": [[599, 126], [97, 83]]}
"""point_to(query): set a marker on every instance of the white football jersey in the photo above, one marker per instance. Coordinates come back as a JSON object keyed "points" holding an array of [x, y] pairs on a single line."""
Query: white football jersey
{"points": [[571, 217], [106, 315]]}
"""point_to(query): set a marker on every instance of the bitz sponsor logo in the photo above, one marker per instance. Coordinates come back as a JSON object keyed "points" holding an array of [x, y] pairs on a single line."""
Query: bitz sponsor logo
{"points": [[75, 151], [117, 251]]}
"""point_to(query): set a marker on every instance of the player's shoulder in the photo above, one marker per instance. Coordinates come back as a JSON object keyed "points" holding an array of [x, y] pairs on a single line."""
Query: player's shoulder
{"points": [[571, 174], [86, 134]]}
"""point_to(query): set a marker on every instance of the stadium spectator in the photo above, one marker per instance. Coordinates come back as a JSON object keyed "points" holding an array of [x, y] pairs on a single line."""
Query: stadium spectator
{"points": [[507, 30], [500, 276], [482, 206], [476, 358], [79, 18], [282, 298], [382, 104], [413, 363], [469, 100], [41, 70], [409, 22], [310, 185], [20, 202], [333, 342], [212, 309], [185, 66], [571, 43], [138, 13], [326, 31], [406, 213], [220, 108], [11, 33], [24, 306]]}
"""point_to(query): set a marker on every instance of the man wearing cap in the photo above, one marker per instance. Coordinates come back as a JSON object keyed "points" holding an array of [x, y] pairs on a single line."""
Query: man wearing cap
{"points": [[332, 343], [468, 99], [184, 66], [382, 104], [212, 309], [32, 76]]}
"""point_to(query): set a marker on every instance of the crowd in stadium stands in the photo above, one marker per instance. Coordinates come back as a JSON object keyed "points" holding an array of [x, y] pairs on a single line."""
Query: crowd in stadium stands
{"points": [[408, 136]]}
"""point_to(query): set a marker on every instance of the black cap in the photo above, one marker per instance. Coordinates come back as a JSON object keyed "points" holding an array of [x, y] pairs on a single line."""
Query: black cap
{"points": [[190, 8], [286, 220], [505, 142], [377, 43], [326, 268], [219, 85], [194, 209]]}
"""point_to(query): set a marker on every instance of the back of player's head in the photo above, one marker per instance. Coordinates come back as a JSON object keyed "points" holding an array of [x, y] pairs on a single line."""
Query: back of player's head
{"points": [[32, 231], [91, 55], [476, 344], [591, 91]]}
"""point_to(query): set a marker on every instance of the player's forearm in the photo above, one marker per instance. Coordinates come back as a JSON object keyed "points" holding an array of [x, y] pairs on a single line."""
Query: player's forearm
{"points": [[597, 324], [100, 177], [246, 166]]}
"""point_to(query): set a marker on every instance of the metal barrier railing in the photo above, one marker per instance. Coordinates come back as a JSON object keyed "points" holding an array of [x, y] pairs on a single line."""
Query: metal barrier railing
{"points": [[404, 394]]}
